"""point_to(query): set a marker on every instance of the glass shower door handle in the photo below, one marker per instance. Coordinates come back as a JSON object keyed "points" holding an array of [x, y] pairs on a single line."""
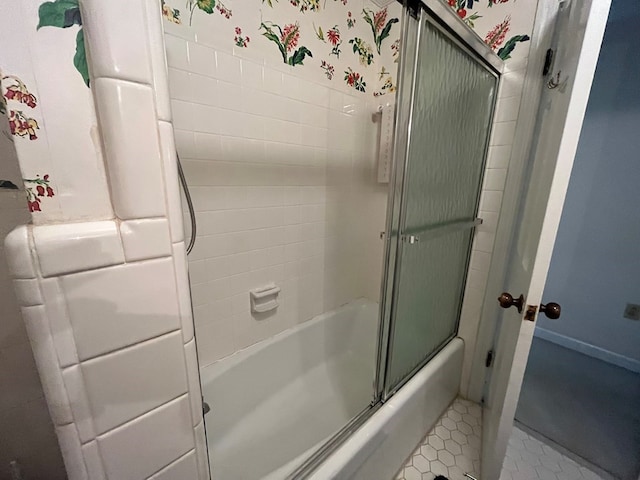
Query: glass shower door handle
{"points": [[411, 239], [437, 230]]}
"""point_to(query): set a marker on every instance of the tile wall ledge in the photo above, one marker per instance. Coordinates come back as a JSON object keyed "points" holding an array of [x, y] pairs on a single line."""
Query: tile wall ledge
{"points": [[111, 263], [65, 248]]}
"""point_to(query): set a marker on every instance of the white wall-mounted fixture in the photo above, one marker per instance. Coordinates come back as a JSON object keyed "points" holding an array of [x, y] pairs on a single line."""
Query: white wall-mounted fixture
{"points": [[385, 142], [264, 299]]}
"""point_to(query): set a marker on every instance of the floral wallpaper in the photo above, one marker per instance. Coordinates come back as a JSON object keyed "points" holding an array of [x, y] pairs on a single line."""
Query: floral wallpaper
{"points": [[51, 125], [286, 39], [350, 43], [354, 38], [16, 102], [17, 95], [503, 24], [37, 189], [65, 14]]}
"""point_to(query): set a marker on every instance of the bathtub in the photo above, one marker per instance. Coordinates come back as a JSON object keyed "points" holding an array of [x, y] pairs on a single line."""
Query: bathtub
{"points": [[275, 402]]}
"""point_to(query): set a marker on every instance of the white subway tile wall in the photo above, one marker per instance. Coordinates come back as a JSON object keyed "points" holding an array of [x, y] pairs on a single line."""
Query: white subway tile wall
{"points": [[282, 174]]}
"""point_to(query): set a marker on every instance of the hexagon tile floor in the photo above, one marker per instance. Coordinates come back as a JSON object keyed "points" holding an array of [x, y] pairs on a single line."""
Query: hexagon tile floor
{"points": [[530, 459], [452, 449]]}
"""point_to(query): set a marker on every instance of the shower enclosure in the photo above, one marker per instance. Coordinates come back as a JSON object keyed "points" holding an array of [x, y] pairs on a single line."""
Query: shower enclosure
{"points": [[330, 261]]}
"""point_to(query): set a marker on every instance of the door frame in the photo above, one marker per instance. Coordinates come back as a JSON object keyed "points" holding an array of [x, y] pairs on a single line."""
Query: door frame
{"points": [[475, 378], [559, 122]]}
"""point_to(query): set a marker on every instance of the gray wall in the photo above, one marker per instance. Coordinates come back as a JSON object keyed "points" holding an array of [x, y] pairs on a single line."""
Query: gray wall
{"points": [[26, 430], [595, 269]]}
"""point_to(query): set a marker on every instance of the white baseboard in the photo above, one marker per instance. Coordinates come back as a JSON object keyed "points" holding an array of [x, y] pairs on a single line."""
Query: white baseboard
{"points": [[588, 349]]}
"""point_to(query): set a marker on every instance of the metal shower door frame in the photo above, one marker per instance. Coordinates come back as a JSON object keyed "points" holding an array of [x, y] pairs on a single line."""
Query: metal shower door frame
{"points": [[442, 17], [445, 19]]}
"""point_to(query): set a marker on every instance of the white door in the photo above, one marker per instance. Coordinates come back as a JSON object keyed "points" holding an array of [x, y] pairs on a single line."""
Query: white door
{"points": [[560, 120]]}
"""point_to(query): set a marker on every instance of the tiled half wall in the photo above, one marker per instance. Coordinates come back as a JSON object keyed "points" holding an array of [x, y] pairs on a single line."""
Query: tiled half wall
{"points": [[106, 302]]}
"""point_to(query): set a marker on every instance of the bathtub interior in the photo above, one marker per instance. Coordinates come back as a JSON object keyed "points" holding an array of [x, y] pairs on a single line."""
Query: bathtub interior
{"points": [[275, 402]]}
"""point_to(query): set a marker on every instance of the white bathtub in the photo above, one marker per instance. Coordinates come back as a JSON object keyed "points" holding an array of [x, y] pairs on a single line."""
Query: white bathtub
{"points": [[274, 403], [380, 447]]}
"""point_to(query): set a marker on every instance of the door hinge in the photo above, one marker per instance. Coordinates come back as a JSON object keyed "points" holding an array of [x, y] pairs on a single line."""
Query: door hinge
{"points": [[489, 359], [548, 62]]}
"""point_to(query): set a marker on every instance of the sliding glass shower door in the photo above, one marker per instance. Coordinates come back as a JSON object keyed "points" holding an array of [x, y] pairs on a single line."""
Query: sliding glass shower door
{"points": [[451, 98]]}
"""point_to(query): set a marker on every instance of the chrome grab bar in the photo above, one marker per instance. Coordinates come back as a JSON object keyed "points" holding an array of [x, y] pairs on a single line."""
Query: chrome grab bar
{"points": [[416, 234]]}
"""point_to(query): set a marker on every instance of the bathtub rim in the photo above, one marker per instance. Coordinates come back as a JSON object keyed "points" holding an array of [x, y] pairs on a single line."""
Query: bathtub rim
{"points": [[362, 434]]}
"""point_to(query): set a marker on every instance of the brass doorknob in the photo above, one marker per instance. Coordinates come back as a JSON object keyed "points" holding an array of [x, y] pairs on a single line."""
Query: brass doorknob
{"points": [[506, 300], [551, 310]]}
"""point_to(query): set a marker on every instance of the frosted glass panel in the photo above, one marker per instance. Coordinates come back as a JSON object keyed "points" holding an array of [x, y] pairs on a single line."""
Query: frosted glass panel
{"points": [[452, 109], [452, 106], [428, 300]]}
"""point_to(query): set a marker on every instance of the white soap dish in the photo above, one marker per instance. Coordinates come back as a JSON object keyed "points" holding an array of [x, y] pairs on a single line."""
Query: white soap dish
{"points": [[264, 299]]}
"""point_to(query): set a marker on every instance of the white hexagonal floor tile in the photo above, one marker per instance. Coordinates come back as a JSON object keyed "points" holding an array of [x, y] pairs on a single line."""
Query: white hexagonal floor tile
{"points": [[429, 452], [530, 458], [412, 473], [453, 415], [452, 449], [469, 419], [442, 447], [446, 458], [442, 432], [458, 407], [421, 463], [436, 442], [439, 468], [449, 424], [464, 428], [459, 437]]}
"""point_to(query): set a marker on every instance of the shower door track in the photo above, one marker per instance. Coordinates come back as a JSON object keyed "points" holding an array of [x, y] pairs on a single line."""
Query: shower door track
{"points": [[334, 442]]}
